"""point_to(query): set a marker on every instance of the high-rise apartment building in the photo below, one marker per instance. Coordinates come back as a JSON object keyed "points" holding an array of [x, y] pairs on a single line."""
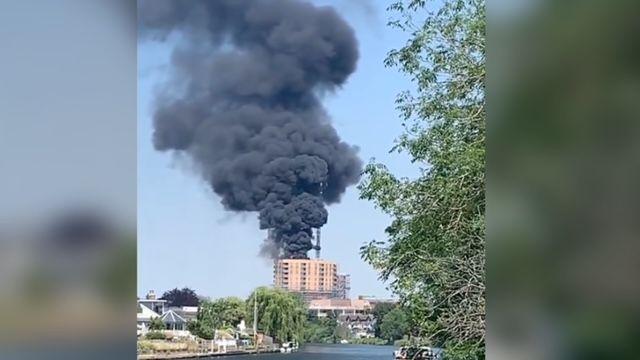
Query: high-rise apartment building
{"points": [[312, 278]]}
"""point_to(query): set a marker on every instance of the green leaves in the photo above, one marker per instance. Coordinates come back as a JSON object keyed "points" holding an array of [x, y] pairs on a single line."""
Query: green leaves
{"points": [[394, 325], [156, 324], [280, 314], [218, 314], [434, 253], [321, 331]]}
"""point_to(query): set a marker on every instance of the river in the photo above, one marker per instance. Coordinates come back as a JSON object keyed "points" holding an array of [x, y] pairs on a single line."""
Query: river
{"points": [[329, 352]]}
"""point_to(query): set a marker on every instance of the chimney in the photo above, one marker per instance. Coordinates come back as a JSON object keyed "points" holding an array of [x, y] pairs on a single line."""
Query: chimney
{"points": [[318, 243]]}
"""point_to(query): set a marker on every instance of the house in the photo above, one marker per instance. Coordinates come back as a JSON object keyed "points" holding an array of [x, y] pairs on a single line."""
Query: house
{"points": [[175, 324], [189, 313], [151, 302], [360, 325], [144, 317], [175, 319]]}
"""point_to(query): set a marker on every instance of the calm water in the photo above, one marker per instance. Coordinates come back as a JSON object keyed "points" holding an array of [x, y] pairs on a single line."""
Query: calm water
{"points": [[329, 352]]}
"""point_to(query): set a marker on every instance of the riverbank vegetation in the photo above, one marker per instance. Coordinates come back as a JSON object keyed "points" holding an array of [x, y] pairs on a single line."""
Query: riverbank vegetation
{"points": [[281, 315], [434, 254], [391, 324], [218, 314]]}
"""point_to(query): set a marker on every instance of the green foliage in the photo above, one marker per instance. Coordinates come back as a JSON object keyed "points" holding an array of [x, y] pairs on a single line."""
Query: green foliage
{"points": [[341, 332], [402, 342], [379, 311], [320, 331], [193, 326], [156, 324], [218, 314], [281, 314], [369, 341], [394, 325], [155, 335], [434, 255]]}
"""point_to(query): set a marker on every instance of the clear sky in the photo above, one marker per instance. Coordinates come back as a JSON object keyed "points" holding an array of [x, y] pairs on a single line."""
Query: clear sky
{"points": [[186, 238]]}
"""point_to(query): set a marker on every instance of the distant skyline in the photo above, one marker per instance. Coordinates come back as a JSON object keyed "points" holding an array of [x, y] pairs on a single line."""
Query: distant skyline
{"points": [[185, 236]]}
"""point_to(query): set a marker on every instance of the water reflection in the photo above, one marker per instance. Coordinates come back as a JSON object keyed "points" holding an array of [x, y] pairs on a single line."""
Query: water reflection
{"points": [[333, 352]]}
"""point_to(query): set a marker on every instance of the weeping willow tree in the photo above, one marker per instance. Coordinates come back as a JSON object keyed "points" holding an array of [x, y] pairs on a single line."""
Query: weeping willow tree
{"points": [[434, 254], [281, 315]]}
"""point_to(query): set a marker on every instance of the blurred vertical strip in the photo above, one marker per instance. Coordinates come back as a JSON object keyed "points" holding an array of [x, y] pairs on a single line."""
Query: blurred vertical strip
{"points": [[563, 198], [67, 179]]}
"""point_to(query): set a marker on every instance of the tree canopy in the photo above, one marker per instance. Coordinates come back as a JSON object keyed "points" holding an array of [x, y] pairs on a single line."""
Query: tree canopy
{"points": [[156, 324], [379, 311], [434, 254], [281, 314], [181, 297], [320, 331], [218, 314], [394, 325]]}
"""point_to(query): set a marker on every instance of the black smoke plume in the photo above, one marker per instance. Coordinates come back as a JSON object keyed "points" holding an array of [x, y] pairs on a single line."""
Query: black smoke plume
{"points": [[243, 102]]}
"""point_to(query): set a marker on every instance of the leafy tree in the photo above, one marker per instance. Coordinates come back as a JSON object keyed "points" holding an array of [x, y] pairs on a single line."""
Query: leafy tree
{"points": [[320, 331], [434, 252], [394, 325], [156, 324], [341, 332], [218, 314], [379, 311], [179, 298], [280, 314]]}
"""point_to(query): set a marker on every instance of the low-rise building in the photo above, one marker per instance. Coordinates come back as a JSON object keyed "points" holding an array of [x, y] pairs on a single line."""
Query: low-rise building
{"points": [[373, 300], [144, 317], [360, 325], [337, 307], [153, 303], [175, 324], [189, 313], [175, 319]]}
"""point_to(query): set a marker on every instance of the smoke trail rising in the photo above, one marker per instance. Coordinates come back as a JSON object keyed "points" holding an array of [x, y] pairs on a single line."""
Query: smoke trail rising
{"points": [[243, 101]]}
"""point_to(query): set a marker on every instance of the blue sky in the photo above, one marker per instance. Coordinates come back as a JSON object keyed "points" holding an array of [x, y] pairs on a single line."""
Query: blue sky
{"points": [[186, 238]]}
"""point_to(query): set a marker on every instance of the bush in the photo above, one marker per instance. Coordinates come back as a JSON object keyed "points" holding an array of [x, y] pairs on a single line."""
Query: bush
{"points": [[402, 342], [155, 335], [144, 347], [156, 324], [369, 341]]}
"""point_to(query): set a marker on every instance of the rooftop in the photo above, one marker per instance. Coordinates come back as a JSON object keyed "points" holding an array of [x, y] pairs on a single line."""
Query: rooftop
{"points": [[171, 317], [357, 304], [305, 260]]}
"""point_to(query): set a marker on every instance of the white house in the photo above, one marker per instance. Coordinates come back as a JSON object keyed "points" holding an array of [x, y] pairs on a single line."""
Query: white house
{"points": [[360, 325], [144, 317], [153, 303], [175, 319]]}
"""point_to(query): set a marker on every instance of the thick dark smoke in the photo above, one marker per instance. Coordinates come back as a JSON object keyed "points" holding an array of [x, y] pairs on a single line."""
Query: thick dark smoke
{"points": [[244, 102]]}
